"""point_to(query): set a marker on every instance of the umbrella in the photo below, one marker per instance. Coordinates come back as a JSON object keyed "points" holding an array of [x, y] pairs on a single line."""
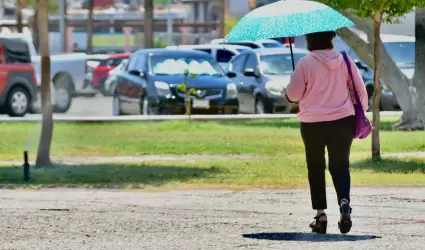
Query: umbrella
{"points": [[287, 19]]}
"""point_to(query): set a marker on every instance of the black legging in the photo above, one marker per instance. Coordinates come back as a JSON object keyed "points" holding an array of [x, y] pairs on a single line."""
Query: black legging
{"points": [[337, 137]]}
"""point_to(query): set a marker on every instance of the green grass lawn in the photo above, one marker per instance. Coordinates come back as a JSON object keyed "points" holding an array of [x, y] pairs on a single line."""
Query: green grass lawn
{"points": [[270, 172], [265, 137], [278, 143]]}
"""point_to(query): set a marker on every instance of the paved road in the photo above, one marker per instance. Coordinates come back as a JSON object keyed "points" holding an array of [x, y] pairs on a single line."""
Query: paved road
{"points": [[97, 106], [384, 218], [85, 106]]}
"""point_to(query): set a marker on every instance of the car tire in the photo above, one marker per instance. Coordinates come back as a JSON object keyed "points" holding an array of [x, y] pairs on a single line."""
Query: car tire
{"points": [[370, 92], [261, 106], [146, 108], [63, 94], [116, 106], [18, 102], [102, 88]]}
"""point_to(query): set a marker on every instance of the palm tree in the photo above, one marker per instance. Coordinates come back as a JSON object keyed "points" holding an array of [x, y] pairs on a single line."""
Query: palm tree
{"points": [[90, 27], [43, 154], [148, 24]]}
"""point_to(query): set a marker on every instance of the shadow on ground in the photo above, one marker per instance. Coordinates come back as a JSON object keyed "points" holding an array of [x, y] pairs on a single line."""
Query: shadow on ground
{"points": [[309, 237], [386, 125], [105, 175], [393, 165]]}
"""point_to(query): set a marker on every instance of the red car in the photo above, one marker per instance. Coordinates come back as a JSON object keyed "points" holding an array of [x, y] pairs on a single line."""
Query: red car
{"points": [[18, 83], [100, 73]]}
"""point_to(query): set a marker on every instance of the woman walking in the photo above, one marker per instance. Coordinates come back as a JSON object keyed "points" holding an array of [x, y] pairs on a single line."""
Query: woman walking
{"points": [[322, 85]]}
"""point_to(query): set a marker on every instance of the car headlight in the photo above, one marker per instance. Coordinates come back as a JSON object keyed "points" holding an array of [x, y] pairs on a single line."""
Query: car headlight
{"points": [[275, 88], [386, 91], [162, 88], [232, 91]]}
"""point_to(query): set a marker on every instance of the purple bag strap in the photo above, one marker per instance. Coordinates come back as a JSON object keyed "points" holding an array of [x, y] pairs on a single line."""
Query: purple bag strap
{"points": [[350, 72]]}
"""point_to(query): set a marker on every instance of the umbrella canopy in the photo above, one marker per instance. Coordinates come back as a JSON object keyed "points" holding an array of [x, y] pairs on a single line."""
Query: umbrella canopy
{"points": [[287, 19]]}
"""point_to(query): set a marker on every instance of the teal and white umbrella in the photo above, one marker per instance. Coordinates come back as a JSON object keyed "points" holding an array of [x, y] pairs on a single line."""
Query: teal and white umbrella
{"points": [[287, 18]]}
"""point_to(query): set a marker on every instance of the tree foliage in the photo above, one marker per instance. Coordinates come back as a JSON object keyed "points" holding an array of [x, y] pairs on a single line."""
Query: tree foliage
{"points": [[391, 10]]}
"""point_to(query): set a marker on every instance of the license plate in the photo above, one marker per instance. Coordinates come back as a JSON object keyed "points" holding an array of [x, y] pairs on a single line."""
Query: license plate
{"points": [[202, 104]]}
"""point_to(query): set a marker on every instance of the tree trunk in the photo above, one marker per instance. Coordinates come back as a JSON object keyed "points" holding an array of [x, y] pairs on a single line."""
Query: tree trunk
{"points": [[18, 12], [376, 148], [90, 28], [392, 76], [414, 117], [148, 24], [43, 155]]}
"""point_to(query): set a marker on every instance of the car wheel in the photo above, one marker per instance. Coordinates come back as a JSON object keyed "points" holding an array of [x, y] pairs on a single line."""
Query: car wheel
{"points": [[259, 106], [18, 102], [112, 86], [103, 89], [116, 106], [63, 94], [146, 108]]}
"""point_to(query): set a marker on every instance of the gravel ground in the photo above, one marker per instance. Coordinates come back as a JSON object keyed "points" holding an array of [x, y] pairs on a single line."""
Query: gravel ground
{"points": [[384, 218]]}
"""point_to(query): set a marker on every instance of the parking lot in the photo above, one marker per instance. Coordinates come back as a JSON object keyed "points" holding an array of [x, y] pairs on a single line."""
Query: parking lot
{"points": [[85, 106]]}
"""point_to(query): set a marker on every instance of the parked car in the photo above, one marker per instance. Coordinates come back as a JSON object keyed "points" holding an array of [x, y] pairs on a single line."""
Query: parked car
{"points": [[151, 81], [100, 72], [67, 73], [262, 76], [402, 50], [92, 62], [259, 44], [111, 81], [222, 53], [18, 83]]}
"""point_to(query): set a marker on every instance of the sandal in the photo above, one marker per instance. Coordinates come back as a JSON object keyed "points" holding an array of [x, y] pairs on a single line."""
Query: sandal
{"points": [[319, 225], [345, 223]]}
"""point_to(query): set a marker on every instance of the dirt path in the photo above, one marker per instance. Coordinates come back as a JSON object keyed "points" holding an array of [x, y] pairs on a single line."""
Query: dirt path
{"points": [[383, 218], [193, 157]]}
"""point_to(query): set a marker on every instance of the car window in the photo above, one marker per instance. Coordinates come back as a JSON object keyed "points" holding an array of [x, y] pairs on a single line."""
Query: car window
{"points": [[251, 45], [114, 62], [246, 44], [403, 53], [134, 63], [251, 62], [278, 64], [205, 50], [177, 65], [272, 45], [238, 64], [224, 56]]}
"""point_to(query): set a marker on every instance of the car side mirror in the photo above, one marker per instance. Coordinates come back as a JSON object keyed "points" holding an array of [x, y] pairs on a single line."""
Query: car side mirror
{"points": [[136, 72], [231, 74], [250, 72], [361, 65]]}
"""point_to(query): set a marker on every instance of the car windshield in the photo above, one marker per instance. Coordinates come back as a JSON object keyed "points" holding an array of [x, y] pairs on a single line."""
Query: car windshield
{"points": [[241, 50], [273, 45], [278, 64], [168, 65], [403, 53]]}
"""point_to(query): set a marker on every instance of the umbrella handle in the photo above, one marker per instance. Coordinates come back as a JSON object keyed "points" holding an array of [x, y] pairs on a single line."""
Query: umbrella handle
{"points": [[292, 54]]}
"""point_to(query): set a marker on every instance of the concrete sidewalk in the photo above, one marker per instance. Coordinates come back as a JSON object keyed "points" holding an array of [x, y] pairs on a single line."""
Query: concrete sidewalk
{"points": [[383, 218]]}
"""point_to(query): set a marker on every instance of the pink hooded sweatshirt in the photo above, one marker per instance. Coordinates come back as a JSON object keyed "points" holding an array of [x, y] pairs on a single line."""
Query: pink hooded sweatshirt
{"points": [[320, 84]]}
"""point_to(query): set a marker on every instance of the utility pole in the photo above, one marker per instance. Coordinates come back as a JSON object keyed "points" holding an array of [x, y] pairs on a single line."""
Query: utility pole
{"points": [[62, 25], [222, 21], [169, 24], [148, 24]]}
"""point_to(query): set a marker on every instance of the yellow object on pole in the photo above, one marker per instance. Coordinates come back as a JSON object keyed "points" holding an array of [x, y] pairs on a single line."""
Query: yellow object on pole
{"points": [[252, 4]]}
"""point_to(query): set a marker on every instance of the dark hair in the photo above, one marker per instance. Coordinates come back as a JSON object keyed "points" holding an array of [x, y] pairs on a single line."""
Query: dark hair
{"points": [[320, 40]]}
